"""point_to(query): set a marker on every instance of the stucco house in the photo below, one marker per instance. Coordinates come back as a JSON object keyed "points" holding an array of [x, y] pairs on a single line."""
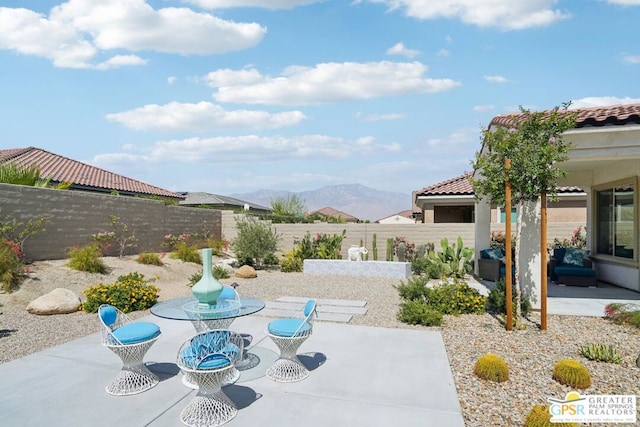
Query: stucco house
{"points": [[604, 161], [403, 217], [453, 201]]}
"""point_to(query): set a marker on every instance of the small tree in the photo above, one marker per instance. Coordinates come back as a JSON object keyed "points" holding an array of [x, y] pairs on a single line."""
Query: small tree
{"points": [[255, 241], [534, 144], [291, 207]]}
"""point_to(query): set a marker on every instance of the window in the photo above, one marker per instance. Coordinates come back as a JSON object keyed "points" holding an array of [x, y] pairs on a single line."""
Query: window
{"points": [[503, 216], [615, 221]]}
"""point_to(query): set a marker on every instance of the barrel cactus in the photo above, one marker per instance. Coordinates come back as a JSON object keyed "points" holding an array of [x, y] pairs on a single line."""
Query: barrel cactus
{"points": [[541, 417], [572, 373], [491, 367], [401, 250]]}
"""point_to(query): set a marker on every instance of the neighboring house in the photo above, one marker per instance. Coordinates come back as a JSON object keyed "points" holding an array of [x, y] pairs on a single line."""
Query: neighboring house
{"points": [[222, 203], [404, 217], [604, 160], [83, 177], [327, 211], [453, 201]]}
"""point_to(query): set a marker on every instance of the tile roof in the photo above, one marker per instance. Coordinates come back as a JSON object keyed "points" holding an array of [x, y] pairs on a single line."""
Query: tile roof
{"points": [[461, 186], [594, 116], [62, 169], [201, 198]]}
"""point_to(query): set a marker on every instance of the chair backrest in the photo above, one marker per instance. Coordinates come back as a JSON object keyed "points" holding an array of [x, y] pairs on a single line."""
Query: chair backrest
{"points": [[228, 293], [217, 348], [108, 314], [309, 308]]}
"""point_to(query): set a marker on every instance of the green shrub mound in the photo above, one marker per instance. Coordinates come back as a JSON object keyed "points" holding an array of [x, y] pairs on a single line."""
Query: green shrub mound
{"points": [[149, 259], [12, 271], [418, 313], [541, 417], [572, 373], [601, 353], [130, 292], [491, 367], [86, 258]]}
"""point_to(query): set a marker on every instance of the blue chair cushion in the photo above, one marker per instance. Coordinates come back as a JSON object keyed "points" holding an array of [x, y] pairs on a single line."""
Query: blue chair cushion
{"points": [[309, 307], [227, 293], [196, 356], [567, 270], [136, 332], [108, 314], [288, 327]]}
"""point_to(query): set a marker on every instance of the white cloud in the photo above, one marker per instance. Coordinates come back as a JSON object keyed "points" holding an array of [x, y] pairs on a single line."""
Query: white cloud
{"points": [[326, 82], [496, 79], [625, 2], [249, 148], [460, 138], [631, 59], [602, 101], [444, 53], [203, 116], [483, 108], [266, 4], [374, 117], [171, 80], [400, 49], [505, 14], [77, 32]]}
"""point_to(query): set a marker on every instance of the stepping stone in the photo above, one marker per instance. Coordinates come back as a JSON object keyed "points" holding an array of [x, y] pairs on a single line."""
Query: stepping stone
{"points": [[332, 317], [320, 301]]}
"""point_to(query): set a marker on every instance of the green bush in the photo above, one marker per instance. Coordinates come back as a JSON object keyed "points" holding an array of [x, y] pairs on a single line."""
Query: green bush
{"points": [[456, 298], [149, 259], [218, 272], [497, 300], [12, 270], [623, 313], [415, 289], [291, 263], [130, 292], [86, 258], [187, 253], [255, 241], [416, 312], [601, 353]]}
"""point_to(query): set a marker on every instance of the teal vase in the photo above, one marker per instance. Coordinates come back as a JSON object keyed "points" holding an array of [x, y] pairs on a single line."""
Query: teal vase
{"points": [[208, 289]]}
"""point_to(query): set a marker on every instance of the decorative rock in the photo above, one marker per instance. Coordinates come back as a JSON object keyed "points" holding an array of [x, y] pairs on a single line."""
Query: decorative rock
{"points": [[58, 301], [246, 272]]}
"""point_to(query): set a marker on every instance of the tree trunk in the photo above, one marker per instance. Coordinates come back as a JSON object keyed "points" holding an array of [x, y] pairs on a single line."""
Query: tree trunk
{"points": [[518, 290]]}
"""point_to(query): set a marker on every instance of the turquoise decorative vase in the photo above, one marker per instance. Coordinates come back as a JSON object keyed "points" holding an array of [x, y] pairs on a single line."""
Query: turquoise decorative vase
{"points": [[208, 289]]}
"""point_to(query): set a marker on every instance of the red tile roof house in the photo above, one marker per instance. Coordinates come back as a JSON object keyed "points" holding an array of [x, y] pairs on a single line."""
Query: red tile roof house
{"points": [[604, 161], [83, 177], [453, 201], [328, 211]]}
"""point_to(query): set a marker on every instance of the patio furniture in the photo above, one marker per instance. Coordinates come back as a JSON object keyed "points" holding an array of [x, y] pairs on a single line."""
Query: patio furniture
{"points": [[208, 358], [130, 341], [288, 334], [491, 265], [572, 267]]}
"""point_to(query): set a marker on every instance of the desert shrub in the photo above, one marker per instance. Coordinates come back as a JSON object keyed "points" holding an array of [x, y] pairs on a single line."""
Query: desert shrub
{"points": [[130, 292], [456, 298], [623, 313], [497, 301], [291, 263], [271, 259], [255, 241], [539, 416], [491, 367], [415, 289], [86, 258], [419, 313], [11, 269], [601, 353], [170, 241], [149, 258], [120, 236], [187, 253], [572, 373], [218, 272]]}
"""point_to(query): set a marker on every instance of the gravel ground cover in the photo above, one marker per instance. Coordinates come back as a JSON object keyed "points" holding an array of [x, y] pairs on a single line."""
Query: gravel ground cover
{"points": [[530, 353]]}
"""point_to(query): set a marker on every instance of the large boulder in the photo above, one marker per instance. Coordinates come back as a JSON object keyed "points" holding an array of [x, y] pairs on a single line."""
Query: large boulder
{"points": [[58, 301], [246, 272]]}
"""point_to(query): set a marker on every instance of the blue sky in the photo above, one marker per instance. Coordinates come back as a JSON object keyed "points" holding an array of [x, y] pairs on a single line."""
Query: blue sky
{"points": [[232, 96]]}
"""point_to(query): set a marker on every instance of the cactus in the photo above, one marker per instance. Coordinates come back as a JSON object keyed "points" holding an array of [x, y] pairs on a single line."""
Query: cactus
{"points": [[541, 417], [374, 247], [572, 373], [401, 250], [601, 353], [366, 256], [491, 367], [390, 249], [422, 251]]}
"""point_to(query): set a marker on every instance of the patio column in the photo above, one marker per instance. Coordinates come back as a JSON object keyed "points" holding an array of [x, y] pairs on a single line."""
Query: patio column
{"points": [[529, 256], [482, 228]]}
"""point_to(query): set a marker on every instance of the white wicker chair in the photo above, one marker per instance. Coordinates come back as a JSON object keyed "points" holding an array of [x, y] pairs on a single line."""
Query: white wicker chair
{"points": [[208, 358], [130, 341], [289, 334]]}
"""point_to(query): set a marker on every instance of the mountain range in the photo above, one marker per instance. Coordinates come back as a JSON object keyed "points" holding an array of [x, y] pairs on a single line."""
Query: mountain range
{"points": [[363, 202]]}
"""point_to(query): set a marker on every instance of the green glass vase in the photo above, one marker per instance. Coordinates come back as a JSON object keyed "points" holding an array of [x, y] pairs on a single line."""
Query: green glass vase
{"points": [[207, 289]]}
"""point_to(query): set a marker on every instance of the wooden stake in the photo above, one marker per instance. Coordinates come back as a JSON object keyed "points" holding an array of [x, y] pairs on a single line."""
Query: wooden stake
{"points": [[508, 270], [543, 261]]}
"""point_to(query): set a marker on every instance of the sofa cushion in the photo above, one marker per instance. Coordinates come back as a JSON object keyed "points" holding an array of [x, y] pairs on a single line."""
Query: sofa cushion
{"points": [[492, 253], [558, 254], [574, 256], [568, 270]]}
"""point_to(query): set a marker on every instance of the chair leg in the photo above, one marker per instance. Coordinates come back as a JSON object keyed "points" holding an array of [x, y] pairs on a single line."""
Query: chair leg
{"points": [[211, 406], [288, 367], [134, 377]]}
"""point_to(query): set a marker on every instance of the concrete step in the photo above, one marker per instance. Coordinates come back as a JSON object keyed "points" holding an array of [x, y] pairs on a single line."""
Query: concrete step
{"points": [[321, 301], [322, 316], [321, 308]]}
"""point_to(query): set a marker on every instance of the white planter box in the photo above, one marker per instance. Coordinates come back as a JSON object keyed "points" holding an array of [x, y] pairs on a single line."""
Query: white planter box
{"points": [[401, 270]]}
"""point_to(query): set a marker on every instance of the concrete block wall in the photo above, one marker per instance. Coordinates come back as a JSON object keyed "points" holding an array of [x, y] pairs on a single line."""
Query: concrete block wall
{"points": [[76, 215]]}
